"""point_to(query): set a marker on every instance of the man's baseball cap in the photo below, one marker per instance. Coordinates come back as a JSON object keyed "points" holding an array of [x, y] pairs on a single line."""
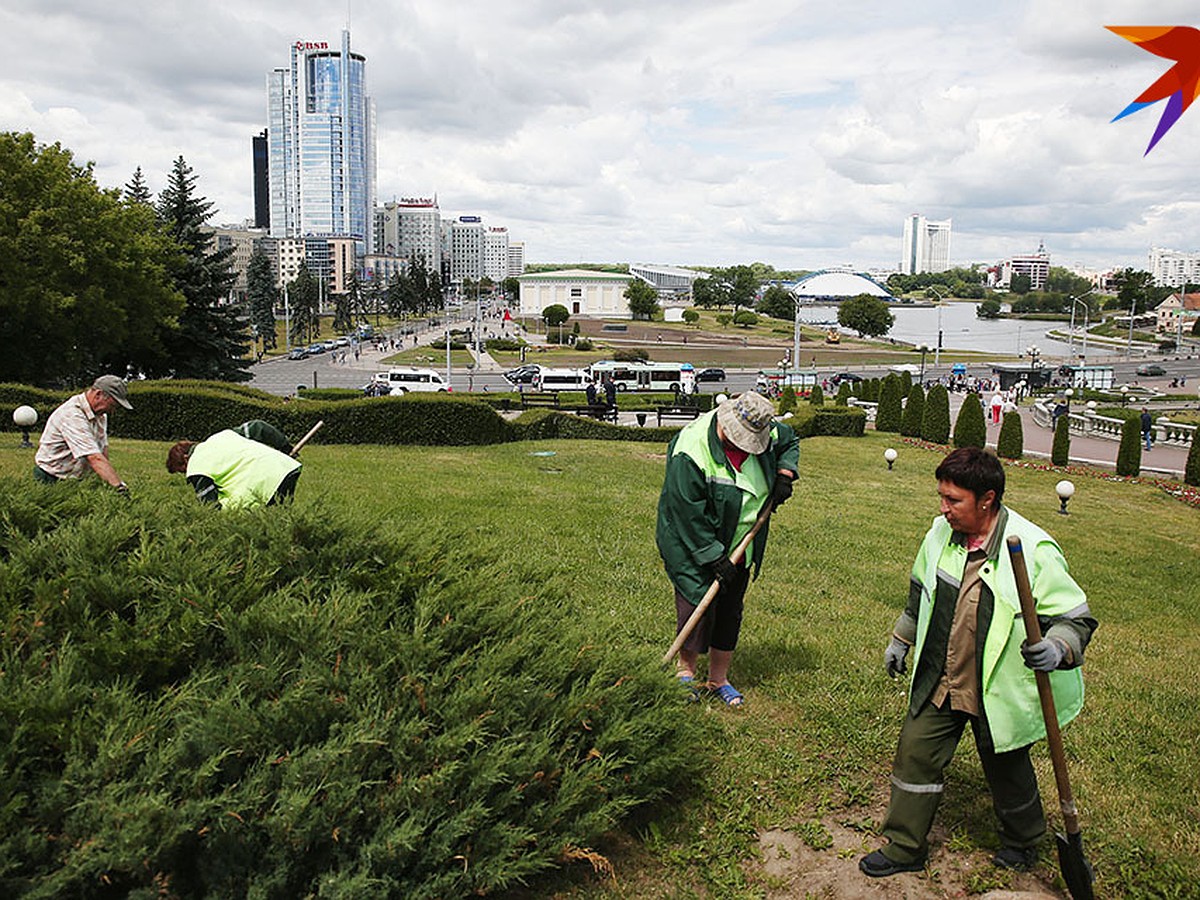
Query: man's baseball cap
{"points": [[114, 386]]}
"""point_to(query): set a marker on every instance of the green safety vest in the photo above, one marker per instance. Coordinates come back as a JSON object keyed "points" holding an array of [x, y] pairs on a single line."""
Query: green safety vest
{"points": [[1008, 688], [245, 472]]}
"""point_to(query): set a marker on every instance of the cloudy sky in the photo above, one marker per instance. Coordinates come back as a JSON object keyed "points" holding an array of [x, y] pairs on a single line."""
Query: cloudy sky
{"points": [[706, 132]]}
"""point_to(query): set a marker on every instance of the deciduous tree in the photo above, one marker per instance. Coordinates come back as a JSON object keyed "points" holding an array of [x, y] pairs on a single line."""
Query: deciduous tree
{"points": [[643, 299], [866, 314]]}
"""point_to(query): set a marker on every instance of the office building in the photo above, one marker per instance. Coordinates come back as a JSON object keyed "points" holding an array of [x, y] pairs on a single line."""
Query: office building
{"points": [[926, 246], [516, 258], [1035, 265], [495, 253], [262, 184], [463, 247], [410, 228], [321, 144]]}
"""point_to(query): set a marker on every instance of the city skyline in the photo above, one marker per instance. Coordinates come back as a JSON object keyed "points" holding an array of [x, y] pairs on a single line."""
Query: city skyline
{"points": [[785, 132]]}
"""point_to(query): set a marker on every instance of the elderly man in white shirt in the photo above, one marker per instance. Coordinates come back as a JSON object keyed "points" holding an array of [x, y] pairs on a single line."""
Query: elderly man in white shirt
{"points": [[75, 438]]}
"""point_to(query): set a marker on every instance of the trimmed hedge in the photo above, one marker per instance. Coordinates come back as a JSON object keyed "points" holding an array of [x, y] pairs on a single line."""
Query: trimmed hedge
{"points": [[935, 423], [1060, 450], [297, 703], [1011, 442], [829, 421], [890, 412], [547, 424], [970, 429], [914, 412], [1129, 454]]}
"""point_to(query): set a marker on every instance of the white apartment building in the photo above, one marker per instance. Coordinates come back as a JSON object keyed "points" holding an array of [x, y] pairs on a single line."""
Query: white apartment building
{"points": [[495, 253], [462, 242], [243, 241], [516, 258], [925, 246], [1173, 268], [286, 260], [1036, 265], [410, 228]]}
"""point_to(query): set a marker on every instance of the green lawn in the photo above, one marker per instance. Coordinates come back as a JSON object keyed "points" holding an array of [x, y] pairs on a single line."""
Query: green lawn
{"points": [[813, 745]]}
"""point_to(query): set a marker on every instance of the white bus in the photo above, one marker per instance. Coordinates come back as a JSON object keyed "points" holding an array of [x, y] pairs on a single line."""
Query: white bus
{"points": [[403, 379], [546, 379], [641, 376]]}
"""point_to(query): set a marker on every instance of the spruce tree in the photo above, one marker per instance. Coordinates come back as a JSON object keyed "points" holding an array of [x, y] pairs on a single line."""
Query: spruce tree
{"points": [[136, 190], [343, 304], [970, 429], [890, 412], [1129, 454], [914, 412], [212, 339], [935, 423], [1011, 443], [1060, 450], [1191, 469], [261, 297], [817, 396]]}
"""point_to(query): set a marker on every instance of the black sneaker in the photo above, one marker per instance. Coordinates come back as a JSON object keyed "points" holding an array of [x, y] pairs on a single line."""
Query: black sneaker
{"points": [[876, 865], [1018, 858]]}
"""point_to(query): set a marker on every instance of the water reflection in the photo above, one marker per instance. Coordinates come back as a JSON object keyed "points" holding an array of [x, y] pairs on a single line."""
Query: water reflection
{"points": [[962, 330]]}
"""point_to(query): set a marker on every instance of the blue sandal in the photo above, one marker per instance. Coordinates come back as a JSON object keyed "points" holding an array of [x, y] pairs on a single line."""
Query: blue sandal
{"points": [[729, 694]]}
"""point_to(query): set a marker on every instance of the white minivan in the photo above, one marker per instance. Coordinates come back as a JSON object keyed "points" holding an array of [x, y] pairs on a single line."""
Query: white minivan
{"points": [[403, 379]]}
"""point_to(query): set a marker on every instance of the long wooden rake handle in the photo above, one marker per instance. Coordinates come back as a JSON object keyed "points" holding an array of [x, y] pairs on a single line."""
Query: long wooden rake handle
{"points": [[304, 440], [698, 613]]}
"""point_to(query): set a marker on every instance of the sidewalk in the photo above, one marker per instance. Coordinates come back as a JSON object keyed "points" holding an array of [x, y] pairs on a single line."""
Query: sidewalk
{"points": [[1087, 451]]}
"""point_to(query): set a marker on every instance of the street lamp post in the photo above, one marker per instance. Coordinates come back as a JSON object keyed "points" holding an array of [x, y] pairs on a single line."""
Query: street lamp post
{"points": [[924, 348], [937, 354], [1071, 336]]}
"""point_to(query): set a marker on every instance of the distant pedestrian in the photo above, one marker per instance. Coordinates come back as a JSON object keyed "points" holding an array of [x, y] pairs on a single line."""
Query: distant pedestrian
{"points": [[1147, 428], [590, 390], [997, 407], [610, 393]]}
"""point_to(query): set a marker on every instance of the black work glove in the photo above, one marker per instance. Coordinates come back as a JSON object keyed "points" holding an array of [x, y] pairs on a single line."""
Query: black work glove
{"points": [[724, 570], [122, 489], [782, 490]]}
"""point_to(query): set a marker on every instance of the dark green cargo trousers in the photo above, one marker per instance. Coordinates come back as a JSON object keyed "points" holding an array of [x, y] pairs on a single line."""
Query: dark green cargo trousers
{"points": [[926, 746]]}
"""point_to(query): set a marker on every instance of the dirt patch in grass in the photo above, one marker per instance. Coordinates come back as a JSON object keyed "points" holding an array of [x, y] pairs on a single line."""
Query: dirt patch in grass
{"points": [[790, 867]]}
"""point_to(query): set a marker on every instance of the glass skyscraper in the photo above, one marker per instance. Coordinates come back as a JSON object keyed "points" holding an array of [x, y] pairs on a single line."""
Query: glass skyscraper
{"points": [[321, 140]]}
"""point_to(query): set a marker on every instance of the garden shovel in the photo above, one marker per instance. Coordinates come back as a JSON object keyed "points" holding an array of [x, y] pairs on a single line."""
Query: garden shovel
{"points": [[735, 557], [1076, 870]]}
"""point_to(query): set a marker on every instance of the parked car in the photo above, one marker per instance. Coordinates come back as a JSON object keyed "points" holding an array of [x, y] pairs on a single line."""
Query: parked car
{"points": [[1151, 369], [711, 374], [298, 353], [846, 376], [341, 342], [329, 345], [522, 374], [314, 349]]}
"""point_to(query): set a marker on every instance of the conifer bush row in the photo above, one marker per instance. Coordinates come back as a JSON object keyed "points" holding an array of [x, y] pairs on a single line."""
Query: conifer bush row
{"points": [[293, 703], [914, 412], [970, 428], [1129, 454], [935, 423], [843, 394], [817, 396], [1011, 442]]}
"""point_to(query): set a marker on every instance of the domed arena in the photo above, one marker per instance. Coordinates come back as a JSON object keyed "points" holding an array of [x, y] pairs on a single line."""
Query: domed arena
{"points": [[837, 284]]}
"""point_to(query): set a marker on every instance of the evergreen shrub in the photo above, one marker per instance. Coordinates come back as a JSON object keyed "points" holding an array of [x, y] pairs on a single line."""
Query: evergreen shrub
{"points": [[1191, 469], [787, 399], [544, 424], [1129, 454], [914, 412], [829, 421], [1060, 449], [816, 396], [890, 411], [843, 394], [330, 394], [1011, 442], [508, 344], [935, 423], [970, 428], [293, 702]]}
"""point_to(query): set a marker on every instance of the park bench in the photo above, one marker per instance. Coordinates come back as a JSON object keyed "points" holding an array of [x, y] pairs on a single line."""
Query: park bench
{"points": [[601, 411], [676, 412], [543, 398]]}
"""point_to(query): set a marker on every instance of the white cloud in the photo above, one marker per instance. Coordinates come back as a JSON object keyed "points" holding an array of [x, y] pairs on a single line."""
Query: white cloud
{"points": [[796, 132]]}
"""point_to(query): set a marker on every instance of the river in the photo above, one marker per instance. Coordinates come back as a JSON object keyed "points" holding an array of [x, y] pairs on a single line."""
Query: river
{"points": [[962, 330]]}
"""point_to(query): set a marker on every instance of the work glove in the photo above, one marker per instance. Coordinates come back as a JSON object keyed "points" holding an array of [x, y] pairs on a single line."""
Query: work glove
{"points": [[1044, 656], [724, 570], [893, 657], [781, 491], [122, 489]]}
